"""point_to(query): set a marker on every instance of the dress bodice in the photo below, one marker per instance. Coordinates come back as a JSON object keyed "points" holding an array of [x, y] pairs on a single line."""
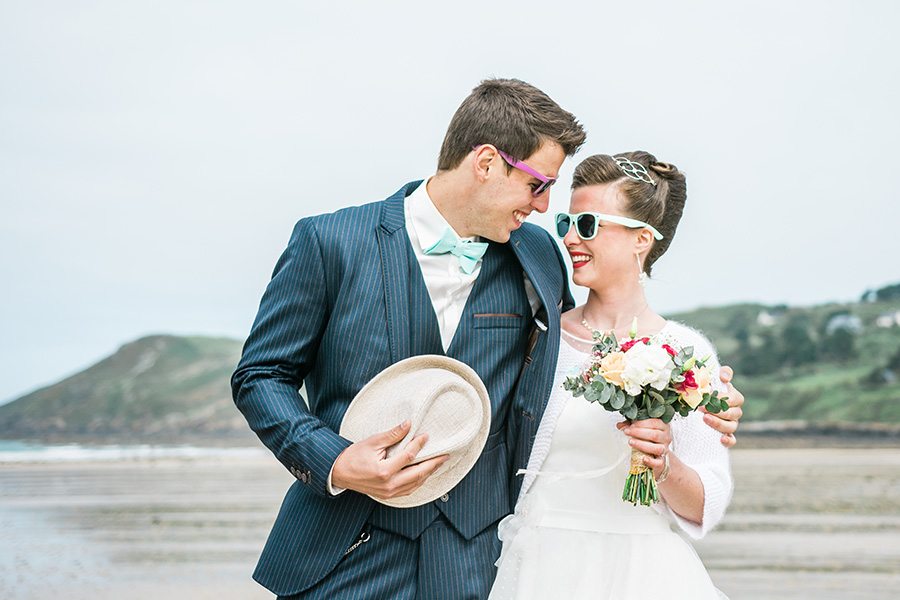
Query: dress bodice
{"points": [[581, 479]]}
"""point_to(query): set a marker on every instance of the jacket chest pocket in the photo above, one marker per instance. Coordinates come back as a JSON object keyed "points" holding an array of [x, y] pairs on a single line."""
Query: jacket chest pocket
{"points": [[497, 320]]}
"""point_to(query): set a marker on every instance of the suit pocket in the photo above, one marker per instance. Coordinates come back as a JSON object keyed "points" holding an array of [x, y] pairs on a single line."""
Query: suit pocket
{"points": [[494, 320]]}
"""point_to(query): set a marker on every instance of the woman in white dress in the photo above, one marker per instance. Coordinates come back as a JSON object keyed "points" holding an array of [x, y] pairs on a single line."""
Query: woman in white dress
{"points": [[572, 536]]}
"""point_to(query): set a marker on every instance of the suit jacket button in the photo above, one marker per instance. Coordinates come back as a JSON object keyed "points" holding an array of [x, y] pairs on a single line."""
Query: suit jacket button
{"points": [[304, 477], [293, 471], [445, 498]]}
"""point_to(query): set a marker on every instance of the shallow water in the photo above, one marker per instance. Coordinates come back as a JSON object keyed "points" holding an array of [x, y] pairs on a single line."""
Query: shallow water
{"points": [[821, 524]]}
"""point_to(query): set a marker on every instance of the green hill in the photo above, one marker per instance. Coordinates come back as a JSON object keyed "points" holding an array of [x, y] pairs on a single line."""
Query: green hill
{"points": [[824, 364], [834, 363], [164, 388]]}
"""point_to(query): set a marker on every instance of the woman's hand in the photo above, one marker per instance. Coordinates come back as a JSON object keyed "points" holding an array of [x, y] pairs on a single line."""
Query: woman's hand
{"points": [[652, 437], [682, 490]]}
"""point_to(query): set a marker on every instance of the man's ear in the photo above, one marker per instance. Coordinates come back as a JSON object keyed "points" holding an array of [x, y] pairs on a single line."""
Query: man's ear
{"points": [[482, 158]]}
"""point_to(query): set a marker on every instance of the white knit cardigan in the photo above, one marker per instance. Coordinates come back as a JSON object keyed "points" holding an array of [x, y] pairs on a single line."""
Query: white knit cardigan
{"points": [[693, 441]]}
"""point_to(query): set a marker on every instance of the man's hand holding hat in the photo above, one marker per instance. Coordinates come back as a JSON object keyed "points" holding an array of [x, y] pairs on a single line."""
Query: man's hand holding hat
{"points": [[365, 467], [446, 414]]}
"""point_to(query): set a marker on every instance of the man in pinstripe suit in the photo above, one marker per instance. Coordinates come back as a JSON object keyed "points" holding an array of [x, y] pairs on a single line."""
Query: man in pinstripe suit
{"points": [[362, 288]]}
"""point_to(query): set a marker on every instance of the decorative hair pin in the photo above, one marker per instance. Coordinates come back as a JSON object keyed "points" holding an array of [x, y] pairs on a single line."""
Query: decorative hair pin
{"points": [[632, 169]]}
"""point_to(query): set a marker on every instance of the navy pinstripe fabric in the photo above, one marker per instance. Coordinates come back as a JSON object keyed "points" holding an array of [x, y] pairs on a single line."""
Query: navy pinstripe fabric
{"points": [[346, 300], [438, 565]]}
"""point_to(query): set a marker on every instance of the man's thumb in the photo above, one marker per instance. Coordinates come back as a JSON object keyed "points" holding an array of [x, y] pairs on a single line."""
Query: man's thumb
{"points": [[393, 435]]}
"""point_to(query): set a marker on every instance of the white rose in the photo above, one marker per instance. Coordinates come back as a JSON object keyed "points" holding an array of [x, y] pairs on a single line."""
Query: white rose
{"points": [[646, 365]]}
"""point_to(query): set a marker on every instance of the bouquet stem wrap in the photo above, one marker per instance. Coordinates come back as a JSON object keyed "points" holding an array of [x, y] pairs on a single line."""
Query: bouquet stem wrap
{"points": [[640, 486]]}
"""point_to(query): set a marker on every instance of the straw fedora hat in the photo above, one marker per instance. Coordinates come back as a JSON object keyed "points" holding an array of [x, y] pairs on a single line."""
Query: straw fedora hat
{"points": [[442, 397]]}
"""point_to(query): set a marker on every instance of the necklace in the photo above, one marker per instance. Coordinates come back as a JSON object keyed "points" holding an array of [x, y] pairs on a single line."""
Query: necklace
{"points": [[606, 332]]}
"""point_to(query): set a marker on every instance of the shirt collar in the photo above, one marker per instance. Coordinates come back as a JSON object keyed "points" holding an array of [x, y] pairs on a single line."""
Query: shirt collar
{"points": [[427, 220]]}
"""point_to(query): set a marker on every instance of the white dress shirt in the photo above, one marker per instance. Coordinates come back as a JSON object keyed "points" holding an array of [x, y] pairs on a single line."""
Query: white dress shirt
{"points": [[448, 286]]}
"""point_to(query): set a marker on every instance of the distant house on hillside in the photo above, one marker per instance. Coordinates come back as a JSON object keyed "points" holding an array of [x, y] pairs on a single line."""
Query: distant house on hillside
{"points": [[844, 321], [888, 320], [767, 319]]}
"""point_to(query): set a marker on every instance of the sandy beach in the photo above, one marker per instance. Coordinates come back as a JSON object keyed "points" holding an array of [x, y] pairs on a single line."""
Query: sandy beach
{"points": [[804, 523]]}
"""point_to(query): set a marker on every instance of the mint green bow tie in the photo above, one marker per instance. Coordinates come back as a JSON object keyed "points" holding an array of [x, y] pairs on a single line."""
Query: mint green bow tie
{"points": [[468, 253]]}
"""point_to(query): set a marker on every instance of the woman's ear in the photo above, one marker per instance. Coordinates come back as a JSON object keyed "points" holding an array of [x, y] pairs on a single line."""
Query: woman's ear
{"points": [[643, 241]]}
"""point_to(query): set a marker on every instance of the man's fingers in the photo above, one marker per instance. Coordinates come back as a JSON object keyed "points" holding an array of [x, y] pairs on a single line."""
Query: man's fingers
{"points": [[735, 398], [726, 374], [726, 427], [407, 456], [388, 438], [412, 477]]}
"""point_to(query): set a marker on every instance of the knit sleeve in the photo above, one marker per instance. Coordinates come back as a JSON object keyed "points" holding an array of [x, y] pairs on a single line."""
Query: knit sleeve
{"points": [[699, 446]]}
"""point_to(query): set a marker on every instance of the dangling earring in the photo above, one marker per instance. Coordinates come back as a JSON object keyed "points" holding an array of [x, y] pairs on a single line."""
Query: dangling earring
{"points": [[642, 277]]}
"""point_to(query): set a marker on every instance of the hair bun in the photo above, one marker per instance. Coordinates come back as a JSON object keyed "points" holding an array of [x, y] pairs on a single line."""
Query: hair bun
{"points": [[664, 169]]}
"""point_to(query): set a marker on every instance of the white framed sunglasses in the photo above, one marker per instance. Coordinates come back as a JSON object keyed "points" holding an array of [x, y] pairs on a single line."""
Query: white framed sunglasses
{"points": [[587, 223]]}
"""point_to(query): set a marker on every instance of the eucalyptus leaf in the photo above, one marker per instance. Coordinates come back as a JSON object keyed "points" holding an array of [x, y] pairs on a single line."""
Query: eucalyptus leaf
{"points": [[606, 393], [713, 405], [670, 412], [617, 401], [657, 409], [630, 411]]}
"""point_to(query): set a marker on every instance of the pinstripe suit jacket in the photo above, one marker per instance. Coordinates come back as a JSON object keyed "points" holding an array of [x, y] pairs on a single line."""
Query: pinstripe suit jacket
{"points": [[336, 312]]}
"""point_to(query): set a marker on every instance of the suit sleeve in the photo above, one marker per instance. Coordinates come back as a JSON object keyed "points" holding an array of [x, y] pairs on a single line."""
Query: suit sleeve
{"points": [[278, 355]]}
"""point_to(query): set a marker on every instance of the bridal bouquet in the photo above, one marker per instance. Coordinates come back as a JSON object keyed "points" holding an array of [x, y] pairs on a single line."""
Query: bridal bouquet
{"points": [[644, 379]]}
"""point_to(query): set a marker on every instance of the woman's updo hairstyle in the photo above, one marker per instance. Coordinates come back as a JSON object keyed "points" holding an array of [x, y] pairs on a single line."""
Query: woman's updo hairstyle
{"points": [[659, 205]]}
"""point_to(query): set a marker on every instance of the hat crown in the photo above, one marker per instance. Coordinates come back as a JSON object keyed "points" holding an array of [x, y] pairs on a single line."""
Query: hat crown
{"points": [[441, 397], [441, 406]]}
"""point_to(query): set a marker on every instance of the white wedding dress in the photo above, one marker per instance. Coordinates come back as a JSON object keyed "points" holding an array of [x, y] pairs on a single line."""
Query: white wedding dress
{"points": [[572, 536]]}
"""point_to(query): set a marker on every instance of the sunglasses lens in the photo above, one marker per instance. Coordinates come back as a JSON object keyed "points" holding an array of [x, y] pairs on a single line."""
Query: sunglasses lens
{"points": [[563, 223], [586, 226], [543, 187]]}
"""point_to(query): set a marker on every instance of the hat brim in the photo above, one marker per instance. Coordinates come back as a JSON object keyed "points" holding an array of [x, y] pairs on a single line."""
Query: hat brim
{"points": [[357, 424]]}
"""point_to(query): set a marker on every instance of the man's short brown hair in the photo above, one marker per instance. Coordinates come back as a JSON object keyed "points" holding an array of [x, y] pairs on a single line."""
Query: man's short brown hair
{"points": [[514, 116]]}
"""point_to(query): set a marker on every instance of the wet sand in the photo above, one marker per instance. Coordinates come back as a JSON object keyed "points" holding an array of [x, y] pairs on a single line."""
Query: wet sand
{"points": [[804, 523]]}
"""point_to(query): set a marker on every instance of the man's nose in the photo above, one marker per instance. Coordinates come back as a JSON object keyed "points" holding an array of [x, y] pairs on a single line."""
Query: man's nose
{"points": [[542, 202]]}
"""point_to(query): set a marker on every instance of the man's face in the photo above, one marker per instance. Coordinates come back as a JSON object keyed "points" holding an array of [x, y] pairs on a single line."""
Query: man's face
{"points": [[506, 199]]}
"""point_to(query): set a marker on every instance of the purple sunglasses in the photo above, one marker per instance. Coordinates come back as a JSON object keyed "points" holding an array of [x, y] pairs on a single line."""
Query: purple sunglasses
{"points": [[546, 182]]}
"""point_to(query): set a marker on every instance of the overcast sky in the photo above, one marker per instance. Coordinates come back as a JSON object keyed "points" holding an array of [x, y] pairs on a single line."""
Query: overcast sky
{"points": [[155, 155]]}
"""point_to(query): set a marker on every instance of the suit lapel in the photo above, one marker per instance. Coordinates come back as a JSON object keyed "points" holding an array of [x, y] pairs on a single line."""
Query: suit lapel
{"points": [[548, 287], [548, 283], [392, 247]]}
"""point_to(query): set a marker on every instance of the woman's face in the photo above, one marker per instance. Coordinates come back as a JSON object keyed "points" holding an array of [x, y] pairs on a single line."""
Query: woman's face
{"points": [[609, 258]]}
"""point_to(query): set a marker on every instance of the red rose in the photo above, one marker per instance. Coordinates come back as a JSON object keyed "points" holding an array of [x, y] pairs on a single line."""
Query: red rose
{"points": [[627, 345], [689, 382]]}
